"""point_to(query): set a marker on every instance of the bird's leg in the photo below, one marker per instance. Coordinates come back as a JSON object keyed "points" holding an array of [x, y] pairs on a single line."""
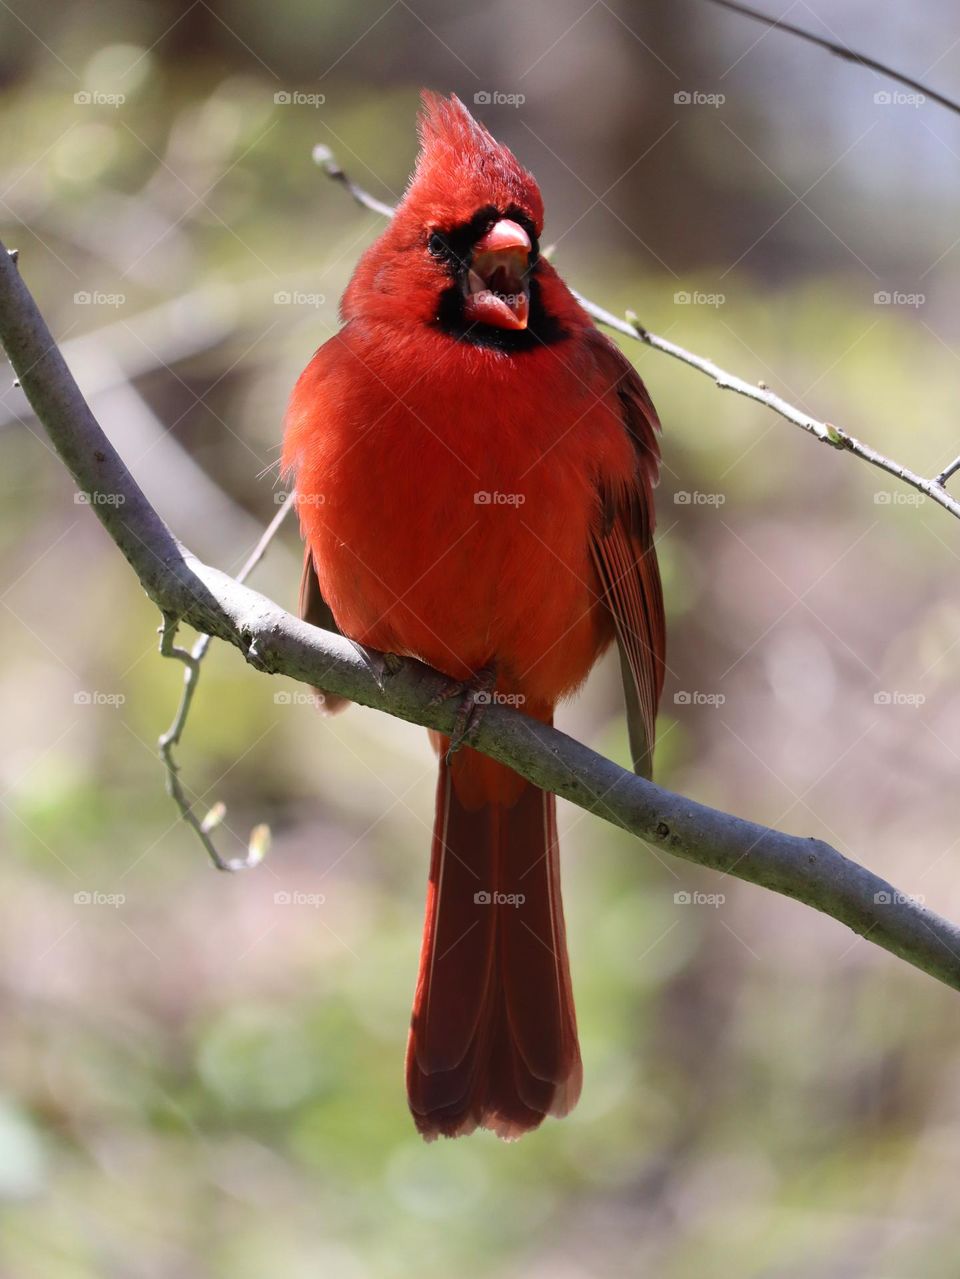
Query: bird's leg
{"points": [[474, 694]]}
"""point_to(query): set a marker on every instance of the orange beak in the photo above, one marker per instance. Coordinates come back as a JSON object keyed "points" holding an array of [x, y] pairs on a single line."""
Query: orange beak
{"points": [[495, 289]]}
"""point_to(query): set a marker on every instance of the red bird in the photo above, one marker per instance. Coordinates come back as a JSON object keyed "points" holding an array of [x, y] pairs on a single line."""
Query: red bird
{"points": [[474, 467]]}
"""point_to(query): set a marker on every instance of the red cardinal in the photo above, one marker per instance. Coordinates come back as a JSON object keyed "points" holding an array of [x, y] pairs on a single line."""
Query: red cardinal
{"points": [[474, 464]]}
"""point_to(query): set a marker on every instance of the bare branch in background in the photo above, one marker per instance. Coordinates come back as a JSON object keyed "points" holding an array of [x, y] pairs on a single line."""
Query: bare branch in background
{"points": [[258, 843], [948, 471], [825, 432], [841, 51], [323, 156], [630, 327], [185, 589]]}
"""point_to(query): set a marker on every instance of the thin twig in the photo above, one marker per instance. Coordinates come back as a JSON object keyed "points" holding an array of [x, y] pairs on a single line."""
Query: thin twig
{"points": [[841, 51], [323, 156], [171, 738], [258, 843], [825, 432], [948, 471], [252, 560], [630, 327]]}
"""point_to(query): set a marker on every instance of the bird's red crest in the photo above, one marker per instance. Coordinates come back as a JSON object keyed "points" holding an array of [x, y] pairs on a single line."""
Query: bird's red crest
{"points": [[462, 168]]}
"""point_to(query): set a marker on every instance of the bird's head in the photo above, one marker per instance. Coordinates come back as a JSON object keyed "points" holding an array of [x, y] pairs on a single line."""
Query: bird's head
{"points": [[461, 253]]}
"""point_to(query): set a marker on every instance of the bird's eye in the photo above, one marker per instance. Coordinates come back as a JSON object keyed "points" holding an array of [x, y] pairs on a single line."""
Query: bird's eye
{"points": [[436, 245]]}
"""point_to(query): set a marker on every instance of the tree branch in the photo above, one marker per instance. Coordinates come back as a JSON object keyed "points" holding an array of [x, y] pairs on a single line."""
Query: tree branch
{"points": [[825, 432], [630, 327], [259, 841], [948, 471], [841, 51], [272, 640]]}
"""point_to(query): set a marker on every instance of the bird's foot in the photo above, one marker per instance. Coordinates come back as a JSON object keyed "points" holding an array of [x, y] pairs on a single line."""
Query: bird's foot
{"points": [[474, 695]]}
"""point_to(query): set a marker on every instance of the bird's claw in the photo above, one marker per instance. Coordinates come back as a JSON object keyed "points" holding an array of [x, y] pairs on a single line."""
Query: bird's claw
{"points": [[474, 695]]}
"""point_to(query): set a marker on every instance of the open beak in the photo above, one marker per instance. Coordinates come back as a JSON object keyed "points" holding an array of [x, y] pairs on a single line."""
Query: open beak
{"points": [[495, 289]]}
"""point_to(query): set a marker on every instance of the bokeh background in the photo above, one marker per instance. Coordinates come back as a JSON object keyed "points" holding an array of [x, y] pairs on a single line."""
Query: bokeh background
{"points": [[201, 1075]]}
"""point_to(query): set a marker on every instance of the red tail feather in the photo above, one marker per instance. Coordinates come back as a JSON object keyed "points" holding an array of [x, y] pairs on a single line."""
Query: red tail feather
{"points": [[493, 1039]]}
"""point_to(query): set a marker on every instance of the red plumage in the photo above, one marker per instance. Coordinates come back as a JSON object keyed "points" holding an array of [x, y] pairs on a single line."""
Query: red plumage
{"points": [[475, 463]]}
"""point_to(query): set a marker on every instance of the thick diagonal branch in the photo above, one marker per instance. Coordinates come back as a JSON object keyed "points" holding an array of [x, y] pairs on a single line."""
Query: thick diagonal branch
{"points": [[272, 640]]}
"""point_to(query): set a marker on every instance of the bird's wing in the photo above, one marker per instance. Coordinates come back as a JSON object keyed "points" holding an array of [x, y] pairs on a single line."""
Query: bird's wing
{"points": [[313, 607], [315, 610], [624, 554]]}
